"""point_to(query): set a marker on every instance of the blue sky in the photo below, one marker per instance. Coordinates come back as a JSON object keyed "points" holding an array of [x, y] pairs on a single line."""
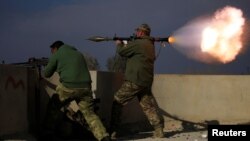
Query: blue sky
{"points": [[29, 27]]}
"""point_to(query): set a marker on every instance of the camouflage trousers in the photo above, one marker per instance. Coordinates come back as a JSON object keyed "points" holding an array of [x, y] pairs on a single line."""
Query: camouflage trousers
{"points": [[127, 92], [85, 106]]}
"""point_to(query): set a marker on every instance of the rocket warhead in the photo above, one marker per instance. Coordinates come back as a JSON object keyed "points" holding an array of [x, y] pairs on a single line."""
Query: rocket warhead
{"points": [[99, 39]]}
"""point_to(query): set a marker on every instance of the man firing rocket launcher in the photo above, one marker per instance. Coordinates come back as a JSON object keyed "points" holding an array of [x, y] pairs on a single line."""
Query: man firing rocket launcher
{"points": [[138, 77]]}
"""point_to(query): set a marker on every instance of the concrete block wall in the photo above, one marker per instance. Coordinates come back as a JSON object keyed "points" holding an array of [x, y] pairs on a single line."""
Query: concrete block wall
{"points": [[13, 99], [200, 98]]}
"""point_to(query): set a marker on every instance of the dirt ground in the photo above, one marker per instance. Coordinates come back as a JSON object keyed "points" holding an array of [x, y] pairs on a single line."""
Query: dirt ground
{"points": [[174, 131]]}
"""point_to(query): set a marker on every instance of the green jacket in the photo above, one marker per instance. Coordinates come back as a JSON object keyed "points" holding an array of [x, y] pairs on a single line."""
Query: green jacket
{"points": [[71, 67], [140, 62]]}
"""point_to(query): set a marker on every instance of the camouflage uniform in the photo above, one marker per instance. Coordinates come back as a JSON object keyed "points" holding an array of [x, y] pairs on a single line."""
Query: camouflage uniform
{"points": [[139, 75], [128, 91], [85, 106]]}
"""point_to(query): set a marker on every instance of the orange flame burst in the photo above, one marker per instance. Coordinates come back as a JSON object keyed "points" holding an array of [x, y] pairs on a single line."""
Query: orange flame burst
{"points": [[222, 37]]}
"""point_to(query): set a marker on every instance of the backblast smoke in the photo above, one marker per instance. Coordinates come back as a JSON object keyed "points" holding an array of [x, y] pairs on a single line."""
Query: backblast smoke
{"points": [[212, 39]]}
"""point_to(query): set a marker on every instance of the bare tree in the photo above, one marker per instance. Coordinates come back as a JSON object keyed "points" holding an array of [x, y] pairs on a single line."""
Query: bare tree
{"points": [[116, 63], [91, 62]]}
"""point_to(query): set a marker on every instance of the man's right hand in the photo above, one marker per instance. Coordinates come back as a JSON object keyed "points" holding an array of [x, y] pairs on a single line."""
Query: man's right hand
{"points": [[118, 42]]}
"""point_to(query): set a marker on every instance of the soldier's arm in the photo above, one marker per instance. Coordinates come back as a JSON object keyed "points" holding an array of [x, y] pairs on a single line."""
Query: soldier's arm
{"points": [[50, 67]]}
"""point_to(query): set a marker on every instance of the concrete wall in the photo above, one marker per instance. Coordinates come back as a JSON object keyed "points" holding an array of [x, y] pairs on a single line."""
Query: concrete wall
{"points": [[197, 98], [13, 99]]}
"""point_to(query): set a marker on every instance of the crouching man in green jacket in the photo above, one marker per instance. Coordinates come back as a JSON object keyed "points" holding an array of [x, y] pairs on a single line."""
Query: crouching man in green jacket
{"points": [[75, 84]]}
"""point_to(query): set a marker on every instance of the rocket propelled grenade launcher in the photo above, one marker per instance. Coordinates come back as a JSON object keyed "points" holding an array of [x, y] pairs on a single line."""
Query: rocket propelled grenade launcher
{"points": [[169, 39]]}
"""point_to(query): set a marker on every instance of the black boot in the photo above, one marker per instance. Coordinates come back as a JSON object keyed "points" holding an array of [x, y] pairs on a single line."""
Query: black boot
{"points": [[107, 138], [115, 119]]}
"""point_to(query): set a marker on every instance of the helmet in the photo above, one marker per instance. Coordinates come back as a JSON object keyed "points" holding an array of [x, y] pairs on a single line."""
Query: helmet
{"points": [[144, 27]]}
